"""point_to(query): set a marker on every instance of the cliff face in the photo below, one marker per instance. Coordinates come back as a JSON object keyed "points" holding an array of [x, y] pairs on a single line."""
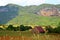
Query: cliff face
{"points": [[53, 11]]}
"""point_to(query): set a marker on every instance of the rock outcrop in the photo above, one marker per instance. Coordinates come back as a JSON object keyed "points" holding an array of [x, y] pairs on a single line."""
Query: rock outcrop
{"points": [[49, 11]]}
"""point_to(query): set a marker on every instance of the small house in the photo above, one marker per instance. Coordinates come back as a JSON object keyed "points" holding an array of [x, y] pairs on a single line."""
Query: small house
{"points": [[38, 29]]}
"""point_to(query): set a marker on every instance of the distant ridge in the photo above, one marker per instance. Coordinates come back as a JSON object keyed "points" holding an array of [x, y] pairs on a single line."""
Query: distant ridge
{"points": [[15, 14]]}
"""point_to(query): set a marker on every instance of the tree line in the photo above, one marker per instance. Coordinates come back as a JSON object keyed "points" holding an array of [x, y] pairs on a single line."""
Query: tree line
{"points": [[53, 30], [18, 28], [49, 29]]}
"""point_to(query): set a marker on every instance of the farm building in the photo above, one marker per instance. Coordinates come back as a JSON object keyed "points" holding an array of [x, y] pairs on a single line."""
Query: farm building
{"points": [[38, 29]]}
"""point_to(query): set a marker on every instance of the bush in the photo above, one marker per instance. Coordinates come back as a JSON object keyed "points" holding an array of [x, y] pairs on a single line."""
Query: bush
{"points": [[49, 29], [10, 28], [17, 28], [57, 29], [1, 29], [24, 28], [28, 27]]}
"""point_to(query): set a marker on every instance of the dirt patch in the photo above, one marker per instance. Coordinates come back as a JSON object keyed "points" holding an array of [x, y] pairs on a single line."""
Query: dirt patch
{"points": [[14, 38]]}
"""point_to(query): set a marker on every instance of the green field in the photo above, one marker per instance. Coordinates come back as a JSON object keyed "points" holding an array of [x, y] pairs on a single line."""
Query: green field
{"points": [[11, 35], [27, 15], [15, 33], [33, 19]]}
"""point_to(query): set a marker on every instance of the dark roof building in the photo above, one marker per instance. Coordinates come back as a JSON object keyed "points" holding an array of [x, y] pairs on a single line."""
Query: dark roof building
{"points": [[38, 29]]}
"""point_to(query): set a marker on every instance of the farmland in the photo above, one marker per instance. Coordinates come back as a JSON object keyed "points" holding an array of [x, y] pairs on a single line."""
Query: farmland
{"points": [[27, 34], [11, 35], [20, 23]]}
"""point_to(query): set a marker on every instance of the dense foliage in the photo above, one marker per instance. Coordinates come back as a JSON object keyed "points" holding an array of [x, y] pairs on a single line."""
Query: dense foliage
{"points": [[10, 28], [53, 30], [1, 29], [49, 29], [23, 28], [57, 29], [18, 28]]}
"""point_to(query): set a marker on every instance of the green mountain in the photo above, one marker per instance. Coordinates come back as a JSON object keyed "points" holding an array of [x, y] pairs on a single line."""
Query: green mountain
{"points": [[8, 12], [27, 15]]}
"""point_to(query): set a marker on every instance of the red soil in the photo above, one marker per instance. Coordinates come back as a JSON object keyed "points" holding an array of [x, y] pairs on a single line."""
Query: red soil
{"points": [[14, 38]]}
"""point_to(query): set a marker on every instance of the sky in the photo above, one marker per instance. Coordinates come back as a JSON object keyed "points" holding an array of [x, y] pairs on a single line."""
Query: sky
{"points": [[28, 2]]}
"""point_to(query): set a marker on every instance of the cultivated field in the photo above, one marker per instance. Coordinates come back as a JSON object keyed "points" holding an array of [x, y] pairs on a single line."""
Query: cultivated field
{"points": [[27, 35]]}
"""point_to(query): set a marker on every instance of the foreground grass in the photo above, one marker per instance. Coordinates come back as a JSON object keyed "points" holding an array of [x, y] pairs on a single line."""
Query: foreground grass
{"points": [[15, 33], [11, 35]]}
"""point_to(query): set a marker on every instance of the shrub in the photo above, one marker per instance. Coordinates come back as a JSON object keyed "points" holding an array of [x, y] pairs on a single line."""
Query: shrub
{"points": [[28, 27], [49, 29], [57, 29], [1, 29], [24, 28], [10, 28], [17, 28]]}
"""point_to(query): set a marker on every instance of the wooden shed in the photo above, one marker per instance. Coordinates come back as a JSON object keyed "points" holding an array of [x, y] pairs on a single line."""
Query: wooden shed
{"points": [[38, 29]]}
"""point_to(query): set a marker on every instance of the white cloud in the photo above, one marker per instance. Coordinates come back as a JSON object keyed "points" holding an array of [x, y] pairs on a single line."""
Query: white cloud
{"points": [[22, 2]]}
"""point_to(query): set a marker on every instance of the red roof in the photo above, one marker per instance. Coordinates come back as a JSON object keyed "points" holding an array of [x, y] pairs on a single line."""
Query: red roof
{"points": [[40, 29]]}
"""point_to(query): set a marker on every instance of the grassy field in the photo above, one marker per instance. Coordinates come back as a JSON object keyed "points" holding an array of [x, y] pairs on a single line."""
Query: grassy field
{"points": [[33, 19], [11, 35]]}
